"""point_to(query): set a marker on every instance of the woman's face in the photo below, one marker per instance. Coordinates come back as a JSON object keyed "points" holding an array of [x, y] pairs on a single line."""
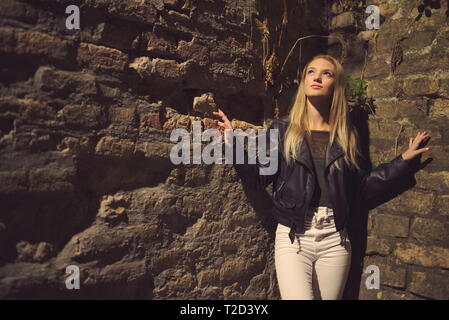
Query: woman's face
{"points": [[319, 78]]}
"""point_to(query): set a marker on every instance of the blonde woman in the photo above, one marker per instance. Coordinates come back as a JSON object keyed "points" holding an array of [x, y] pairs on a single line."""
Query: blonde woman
{"points": [[320, 183]]}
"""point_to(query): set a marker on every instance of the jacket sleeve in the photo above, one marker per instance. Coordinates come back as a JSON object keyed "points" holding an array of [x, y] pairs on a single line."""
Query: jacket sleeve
{"points": [[374, 183], [251, 173]]}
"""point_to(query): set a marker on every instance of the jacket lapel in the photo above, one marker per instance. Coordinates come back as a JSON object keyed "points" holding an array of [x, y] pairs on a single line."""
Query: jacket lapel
{"points": [[333, 153], [305, 155]]}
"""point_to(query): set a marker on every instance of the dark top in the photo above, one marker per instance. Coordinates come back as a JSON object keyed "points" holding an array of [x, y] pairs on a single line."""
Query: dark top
{"points": [[318, 145]]}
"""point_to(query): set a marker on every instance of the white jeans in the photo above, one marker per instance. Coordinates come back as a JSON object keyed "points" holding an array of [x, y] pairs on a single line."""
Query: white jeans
{"points": [[316, 267]]}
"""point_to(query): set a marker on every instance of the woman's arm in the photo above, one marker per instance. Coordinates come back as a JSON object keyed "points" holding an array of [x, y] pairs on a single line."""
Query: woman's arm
{"points": [[373, 183], [251, 173]]}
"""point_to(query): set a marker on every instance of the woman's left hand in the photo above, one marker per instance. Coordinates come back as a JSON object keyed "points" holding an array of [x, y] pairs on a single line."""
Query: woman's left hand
{"points": [[416, 146]]}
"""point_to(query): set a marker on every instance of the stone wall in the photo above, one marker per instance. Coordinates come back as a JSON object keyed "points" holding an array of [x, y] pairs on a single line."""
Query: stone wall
{"points": [[85, 121], [405, 64]]}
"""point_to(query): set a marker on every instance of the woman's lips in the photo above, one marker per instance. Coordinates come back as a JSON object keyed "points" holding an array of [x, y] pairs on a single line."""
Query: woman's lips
{"points": [[316, 86]]}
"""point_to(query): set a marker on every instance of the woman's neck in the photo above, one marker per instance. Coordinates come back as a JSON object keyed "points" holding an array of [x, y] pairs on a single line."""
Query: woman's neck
{"points": [[318, 113]]}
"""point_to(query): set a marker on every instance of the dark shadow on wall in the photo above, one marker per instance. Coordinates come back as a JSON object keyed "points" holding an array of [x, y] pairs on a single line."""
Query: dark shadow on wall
{"points": [[358, 228], [262, 204]]}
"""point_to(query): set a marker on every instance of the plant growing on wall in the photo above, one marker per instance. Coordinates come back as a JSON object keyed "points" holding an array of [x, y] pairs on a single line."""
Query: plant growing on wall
{"points": [[357, 96]]}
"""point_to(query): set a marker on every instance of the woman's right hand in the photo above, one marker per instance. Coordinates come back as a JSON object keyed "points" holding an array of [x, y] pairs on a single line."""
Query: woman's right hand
{"points": [[224, 123]]}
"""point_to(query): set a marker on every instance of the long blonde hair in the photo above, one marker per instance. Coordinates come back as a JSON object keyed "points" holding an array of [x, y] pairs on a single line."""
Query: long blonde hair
{"points": [[341, 127]]}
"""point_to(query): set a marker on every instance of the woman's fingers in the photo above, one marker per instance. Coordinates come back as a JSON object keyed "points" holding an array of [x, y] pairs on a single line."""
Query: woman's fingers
{"points": [[226, 124], [419, 151], [420, 140], [416, 145], [220, 114]]}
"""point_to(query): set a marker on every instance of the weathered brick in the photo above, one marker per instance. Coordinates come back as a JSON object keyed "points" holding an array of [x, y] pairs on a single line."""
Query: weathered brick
{"points": [[442, 205], [411, 201], [101, 58], [388, 34], [14, 9], [422, 62], [165, 259], [154, 150], [392, 294], [343, 20], [388, 8], [157, 44], [366, 35], [210, 124], [159, 69], [119, 36], [134, 10], [418, 40], [379, 67], [28, 109], [82, 116], [430, 231], [35, 44], [63, 83], [122, 119], [436, 181], [414, 110], [152, 119], [380, 88], [426, 256], [444, 88], [378, 246], [430, 284], [336, 8], [393, 275], [440, 109], [177, 121], [52, 179], [386, 108], [371, 223], [207, 278], [111, 146], [232, 270], [383, 129], [392, 226], [420, 86], [193, 51]]}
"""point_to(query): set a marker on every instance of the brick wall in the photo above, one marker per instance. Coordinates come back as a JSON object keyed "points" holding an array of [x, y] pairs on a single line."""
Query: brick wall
{"points": [[85, 120]]}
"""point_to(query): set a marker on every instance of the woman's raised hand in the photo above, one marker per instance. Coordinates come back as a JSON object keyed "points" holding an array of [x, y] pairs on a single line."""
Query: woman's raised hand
{"points": [[416, 146], [224, 123]]}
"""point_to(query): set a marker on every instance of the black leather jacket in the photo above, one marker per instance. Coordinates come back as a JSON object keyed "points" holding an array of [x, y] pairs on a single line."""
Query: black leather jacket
{"points": [[293, 186]]}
